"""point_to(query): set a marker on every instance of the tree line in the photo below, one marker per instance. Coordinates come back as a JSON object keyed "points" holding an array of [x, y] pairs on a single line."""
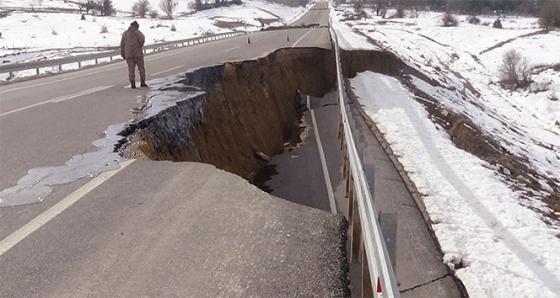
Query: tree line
{"points": [[548, 11], [95, 7], [471, 7]]}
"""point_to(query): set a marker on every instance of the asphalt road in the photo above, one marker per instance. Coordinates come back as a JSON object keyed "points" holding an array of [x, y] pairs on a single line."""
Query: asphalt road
{"points": [[164, 229], [310, 173], [151, 228]]}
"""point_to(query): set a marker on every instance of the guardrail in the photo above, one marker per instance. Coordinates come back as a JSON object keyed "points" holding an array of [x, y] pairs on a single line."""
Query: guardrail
{"points": [[38, 65], [366, 240]]}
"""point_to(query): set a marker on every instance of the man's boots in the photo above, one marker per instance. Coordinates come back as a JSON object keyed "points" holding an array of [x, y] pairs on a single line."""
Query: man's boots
{"points": [[132, 84], [143, 84]]}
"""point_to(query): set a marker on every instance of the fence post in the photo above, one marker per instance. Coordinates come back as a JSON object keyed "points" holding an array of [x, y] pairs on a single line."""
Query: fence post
{"points": [[367, 287]]}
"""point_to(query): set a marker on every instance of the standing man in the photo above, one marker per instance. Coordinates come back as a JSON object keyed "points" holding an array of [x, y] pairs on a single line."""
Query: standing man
{"points": [[131, 49]]}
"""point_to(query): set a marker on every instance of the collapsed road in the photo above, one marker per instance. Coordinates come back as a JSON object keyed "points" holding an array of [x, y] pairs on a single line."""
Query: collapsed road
{"points": [[171, 220]]}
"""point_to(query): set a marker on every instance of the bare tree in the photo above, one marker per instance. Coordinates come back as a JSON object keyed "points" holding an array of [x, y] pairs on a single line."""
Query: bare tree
{"points": [[168, 6], [106, 7], [380, 6], [141, 8], [515, 71], [449, 20]]}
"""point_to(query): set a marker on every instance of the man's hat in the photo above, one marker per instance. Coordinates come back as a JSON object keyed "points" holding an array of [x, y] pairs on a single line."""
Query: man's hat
{"points": [[134, 24]]}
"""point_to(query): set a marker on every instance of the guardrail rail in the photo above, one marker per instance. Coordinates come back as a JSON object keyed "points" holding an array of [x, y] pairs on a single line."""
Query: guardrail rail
{"points": [[38, 65], [367, 244]]}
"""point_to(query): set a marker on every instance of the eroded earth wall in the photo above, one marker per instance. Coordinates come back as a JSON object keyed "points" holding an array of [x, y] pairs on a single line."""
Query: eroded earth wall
{"points": [[248, 107]]}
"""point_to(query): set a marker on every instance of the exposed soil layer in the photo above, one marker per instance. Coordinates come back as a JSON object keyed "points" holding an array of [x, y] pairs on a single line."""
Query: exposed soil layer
{"points": [[249, 112]]}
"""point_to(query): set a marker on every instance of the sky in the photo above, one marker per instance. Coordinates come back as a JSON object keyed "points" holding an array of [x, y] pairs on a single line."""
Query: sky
{"points": [[507, 246]]}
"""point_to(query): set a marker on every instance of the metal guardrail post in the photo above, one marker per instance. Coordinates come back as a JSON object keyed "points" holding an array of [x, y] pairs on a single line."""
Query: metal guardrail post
{"points": [[367, 242]]}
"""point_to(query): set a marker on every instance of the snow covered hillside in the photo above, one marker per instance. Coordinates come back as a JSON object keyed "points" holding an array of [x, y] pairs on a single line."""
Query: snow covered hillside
{"points": [[485, 159], [31, 36]]}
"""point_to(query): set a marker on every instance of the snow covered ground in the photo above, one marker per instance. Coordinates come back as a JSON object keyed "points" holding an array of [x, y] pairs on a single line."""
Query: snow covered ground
{"points": [[36, 36], [500, 236]]}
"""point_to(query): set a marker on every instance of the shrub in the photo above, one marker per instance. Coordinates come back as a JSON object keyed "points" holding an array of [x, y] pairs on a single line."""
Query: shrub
{"points": [[357, 6], [497, 24], [106, 8], [168, 6], [53, 32], [553, 96], [141, 8], [153, 14], [473, 20], [449, 20], [104, 29], [4, 13], [515, 71], [550, 15], [400, 12]]}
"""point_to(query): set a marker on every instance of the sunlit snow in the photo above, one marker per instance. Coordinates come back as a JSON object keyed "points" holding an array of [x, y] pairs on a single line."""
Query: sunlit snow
{"points": [[500, 238]]}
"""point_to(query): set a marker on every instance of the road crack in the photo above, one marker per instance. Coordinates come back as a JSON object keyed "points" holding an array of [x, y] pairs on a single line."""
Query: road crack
{"points": [[426, 283]]}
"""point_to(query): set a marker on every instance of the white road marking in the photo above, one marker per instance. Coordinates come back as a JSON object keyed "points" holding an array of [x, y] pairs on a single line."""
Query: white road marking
{"points": [[105, 68], [231, 49], [167, 70], [167, 53], [93, 90], [60, 80], [323, 160], [35, 224], [293, 46], [322, 18], [59, 99]]}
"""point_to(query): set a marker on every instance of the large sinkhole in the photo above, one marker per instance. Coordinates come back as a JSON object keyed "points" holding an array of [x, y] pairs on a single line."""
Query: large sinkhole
{"points": [[246, 111]]}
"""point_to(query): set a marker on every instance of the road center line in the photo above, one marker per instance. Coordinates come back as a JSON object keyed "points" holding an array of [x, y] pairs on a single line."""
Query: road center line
{"points": [[39, 221], [323, 159], [93, 90], [295, 43], [105, 68], [59, 99], [167, 70], [62, 80], [168, 53], [231, 49]]}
